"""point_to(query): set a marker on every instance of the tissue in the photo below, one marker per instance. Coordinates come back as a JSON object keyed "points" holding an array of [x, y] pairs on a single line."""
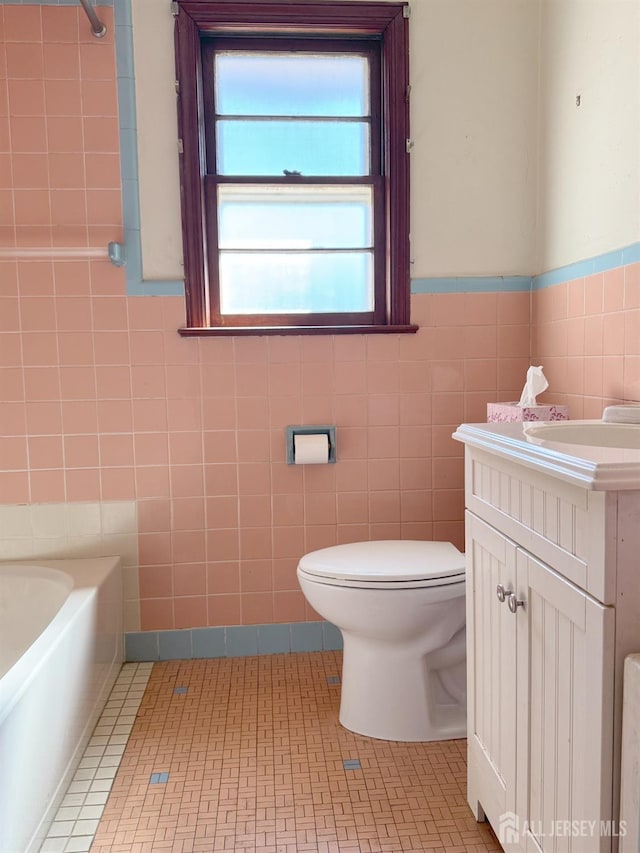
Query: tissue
{"points": [[536, 383], [527, 409]]}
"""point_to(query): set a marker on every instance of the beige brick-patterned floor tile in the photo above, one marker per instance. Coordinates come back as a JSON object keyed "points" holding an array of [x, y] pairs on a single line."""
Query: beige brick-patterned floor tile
{"points": [[255, 760]]}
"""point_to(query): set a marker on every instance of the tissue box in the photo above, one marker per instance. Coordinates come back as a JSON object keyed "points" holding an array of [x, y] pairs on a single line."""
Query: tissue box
{"points": [[510, 412]]}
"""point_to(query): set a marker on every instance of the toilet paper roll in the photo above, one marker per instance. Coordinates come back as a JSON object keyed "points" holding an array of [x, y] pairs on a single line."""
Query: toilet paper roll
{"points": [[311, 449]]}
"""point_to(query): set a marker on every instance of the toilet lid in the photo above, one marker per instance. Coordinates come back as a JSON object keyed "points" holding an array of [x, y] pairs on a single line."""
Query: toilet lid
{"points": [[387, 562]]}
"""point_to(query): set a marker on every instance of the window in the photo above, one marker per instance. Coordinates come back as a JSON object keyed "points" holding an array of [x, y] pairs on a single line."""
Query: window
{"points": [[293, 119]]}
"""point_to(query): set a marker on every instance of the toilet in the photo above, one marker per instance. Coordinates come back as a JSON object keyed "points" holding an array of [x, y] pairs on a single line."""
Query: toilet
{"points": [[400, 606]]}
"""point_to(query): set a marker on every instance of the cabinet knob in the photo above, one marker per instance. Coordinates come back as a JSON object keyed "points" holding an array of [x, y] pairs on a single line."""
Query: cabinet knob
{"points": [[502, 593], [514, 603]]}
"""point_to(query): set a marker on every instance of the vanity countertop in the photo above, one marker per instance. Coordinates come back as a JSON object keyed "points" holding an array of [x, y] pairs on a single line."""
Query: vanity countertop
{"points": [[588, 466]]}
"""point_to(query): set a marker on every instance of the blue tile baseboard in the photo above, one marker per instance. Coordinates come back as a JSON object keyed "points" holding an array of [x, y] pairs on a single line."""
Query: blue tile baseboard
{"points": [[232, 641]]}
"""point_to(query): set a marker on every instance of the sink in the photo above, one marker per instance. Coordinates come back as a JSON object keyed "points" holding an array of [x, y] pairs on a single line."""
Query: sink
{"points": [[593, 433]]}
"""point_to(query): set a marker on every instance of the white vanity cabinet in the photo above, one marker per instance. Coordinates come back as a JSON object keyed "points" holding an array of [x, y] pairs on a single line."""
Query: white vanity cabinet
{"points": [[541, 678], [553, 607]]}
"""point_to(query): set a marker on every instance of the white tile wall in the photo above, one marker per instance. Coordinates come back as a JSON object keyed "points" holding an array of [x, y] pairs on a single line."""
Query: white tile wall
{"points": [[87, 529]]}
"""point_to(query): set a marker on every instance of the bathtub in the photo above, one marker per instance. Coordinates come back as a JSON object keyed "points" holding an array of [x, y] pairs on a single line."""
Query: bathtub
{"points": [[61, 648]]}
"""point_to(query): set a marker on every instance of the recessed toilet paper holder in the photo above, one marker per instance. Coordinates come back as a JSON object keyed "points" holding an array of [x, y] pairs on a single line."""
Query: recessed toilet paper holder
{"points": [[291, 431]]}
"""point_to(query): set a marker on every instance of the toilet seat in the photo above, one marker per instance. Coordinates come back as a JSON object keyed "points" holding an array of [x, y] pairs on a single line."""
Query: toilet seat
{"points": [[387, 564]]}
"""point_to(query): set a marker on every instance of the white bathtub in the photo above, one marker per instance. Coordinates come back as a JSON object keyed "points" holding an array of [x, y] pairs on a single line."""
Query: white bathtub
{"points": [[61, 648]]}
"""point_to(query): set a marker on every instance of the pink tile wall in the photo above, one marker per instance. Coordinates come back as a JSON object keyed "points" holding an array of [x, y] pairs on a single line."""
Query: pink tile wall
{"points": [[224, 519], [586, 333], [101, 399], [59, 158]]}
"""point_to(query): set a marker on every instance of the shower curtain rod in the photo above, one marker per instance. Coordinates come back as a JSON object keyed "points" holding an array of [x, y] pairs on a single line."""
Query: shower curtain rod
{"points": [[97, 27]]}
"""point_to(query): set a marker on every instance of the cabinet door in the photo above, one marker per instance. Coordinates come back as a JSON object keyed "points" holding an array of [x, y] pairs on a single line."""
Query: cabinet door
{"points": [[491, 667], [564, 718]]}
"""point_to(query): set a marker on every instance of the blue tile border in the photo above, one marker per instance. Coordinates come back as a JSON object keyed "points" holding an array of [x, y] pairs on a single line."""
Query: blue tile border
{"points": [[208, 643], [471, 284], [141, 645], [174, 645], [589, 266], [274, 639], [232, 641], [125, 65], [306, 637], [242, 641], [331, 637], [631, 255], [492, 284]]}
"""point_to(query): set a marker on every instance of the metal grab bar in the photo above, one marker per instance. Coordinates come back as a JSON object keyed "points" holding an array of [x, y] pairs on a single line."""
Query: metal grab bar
{"points": [[54, 253], [97, 27], [115, 252]]}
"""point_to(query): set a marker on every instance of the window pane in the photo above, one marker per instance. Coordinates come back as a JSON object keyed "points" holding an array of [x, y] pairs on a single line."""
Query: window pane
{"points": [[305, 217], [252, 84], [295, 283], [311, 148]]}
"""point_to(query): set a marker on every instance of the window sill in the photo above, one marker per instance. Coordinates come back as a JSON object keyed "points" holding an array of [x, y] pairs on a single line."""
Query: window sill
{"points": [[240, 331]]}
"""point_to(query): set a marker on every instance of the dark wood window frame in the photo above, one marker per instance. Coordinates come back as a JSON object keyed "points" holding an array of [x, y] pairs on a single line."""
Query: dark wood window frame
{"points": [[197, 20]]}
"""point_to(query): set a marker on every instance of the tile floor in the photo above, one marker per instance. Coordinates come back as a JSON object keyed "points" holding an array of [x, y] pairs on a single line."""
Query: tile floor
{"points": [[77, 819], [246, 754]]}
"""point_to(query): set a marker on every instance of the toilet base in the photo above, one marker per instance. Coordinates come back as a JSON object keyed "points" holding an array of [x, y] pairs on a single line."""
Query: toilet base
{"points": [[393, 693]]}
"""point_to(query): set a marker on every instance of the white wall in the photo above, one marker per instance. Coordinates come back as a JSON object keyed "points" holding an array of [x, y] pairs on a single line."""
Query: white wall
{"points": [[474, 84], [589, 169], [473, 78], [161, 227]]}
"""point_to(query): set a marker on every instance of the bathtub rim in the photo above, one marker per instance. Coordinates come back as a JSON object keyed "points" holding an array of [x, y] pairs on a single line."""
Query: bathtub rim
{"points": [[12, 684]]}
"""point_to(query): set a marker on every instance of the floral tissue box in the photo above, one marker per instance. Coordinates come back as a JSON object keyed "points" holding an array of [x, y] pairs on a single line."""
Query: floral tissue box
{"points": [[510, 412]]}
